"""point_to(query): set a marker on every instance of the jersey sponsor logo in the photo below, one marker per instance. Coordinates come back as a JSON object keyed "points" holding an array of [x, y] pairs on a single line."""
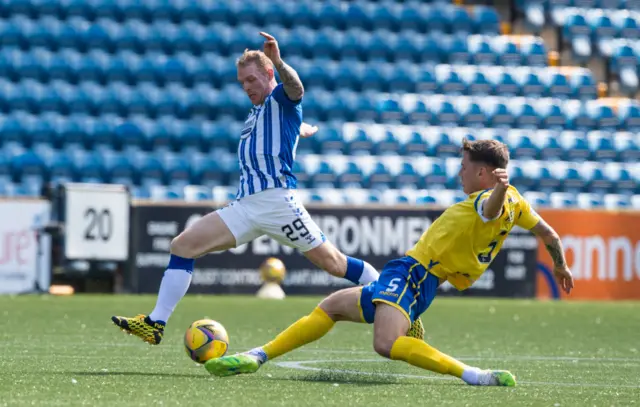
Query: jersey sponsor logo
{"points": [[249, 124]]}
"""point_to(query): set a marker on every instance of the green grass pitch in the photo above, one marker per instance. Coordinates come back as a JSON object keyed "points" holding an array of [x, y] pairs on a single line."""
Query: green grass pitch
{"points": [[64, 351]]}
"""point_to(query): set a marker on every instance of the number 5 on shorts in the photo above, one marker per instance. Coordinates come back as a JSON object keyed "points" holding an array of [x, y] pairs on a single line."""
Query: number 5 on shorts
{"points": [[393, 284]]}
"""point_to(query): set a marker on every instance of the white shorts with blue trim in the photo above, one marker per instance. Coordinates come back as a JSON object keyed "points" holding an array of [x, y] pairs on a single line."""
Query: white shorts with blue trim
{"points": [[277, 213]]}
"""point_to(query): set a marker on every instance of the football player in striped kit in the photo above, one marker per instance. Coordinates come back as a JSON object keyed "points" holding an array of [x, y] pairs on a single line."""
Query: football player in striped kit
{"points": [[266, 203]]}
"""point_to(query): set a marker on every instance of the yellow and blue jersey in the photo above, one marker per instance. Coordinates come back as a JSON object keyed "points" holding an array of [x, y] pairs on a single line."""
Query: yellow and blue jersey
{"points": [[458, 247], [462, 242]]}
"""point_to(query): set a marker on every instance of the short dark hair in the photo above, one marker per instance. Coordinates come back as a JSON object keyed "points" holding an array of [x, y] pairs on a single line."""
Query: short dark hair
{"points": [[490, 152]]}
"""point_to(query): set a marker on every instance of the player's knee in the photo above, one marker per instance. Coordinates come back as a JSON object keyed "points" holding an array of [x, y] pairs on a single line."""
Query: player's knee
{"points": [[382, 344], [183, 247]]}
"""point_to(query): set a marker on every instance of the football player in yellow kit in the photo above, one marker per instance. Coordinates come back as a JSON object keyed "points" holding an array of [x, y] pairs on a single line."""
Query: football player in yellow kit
{"points": [[458, 247]]}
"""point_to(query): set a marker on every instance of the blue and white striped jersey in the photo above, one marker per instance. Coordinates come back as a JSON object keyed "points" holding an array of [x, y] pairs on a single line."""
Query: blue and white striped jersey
{"points": [[268, 144]]}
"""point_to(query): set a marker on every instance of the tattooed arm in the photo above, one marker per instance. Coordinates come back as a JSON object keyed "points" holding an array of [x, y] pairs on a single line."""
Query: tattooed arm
{"points": [[290, 81], [554, 247]]}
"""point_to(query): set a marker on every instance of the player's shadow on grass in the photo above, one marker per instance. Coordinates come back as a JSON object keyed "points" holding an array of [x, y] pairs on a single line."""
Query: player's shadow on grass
{"points": [[364, 380], [342, 378], [148, 374]]}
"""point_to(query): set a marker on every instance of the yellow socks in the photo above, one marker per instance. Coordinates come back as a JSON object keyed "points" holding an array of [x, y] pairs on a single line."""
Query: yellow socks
{"points": [[417, 353], [307, 329]]}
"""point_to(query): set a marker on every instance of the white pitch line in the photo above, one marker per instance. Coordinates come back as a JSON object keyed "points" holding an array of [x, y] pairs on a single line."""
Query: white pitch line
{"points": [[301, 365], [506, 357]]}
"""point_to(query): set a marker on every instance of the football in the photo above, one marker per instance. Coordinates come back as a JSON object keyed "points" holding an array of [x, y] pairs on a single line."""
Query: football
{"points": [[273, 270], [206, 339]]}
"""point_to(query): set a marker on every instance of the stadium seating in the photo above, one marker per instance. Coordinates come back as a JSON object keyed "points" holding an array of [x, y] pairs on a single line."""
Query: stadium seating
{"points": [[145, 94]]}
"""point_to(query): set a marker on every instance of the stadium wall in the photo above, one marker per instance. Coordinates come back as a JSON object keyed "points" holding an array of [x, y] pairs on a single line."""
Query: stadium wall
{"points": [[376, 234]]}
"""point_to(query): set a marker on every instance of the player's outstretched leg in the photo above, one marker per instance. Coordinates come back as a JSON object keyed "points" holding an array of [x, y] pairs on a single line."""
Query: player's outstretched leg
{"points": [[209, 233], [389, 341], [339, 306]]}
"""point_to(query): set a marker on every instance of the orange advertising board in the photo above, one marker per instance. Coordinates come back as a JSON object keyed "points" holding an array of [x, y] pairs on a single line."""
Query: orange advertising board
{"points": [[602, 250]]}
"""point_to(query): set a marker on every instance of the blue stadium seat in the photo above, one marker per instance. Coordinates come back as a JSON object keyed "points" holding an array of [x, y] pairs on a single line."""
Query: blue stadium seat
{"points": [[62, 169], [403, 79], [486, 20], [578, 118], [626, 25], [589, 200], [575, 145], [477, 83], [444, 112], [577, 32], [534, 51], [583, 84], [129, 136], [557, 85], [385, 142], [120, 170], [508, 52], [624, 63], [380, 177], [433, 172], [616, 201], [91, 167], [195, 193], [321, 173], [627, 147], [530, 83], [597, 180], [390, 110], [434, 19], [601, 146], [521, 145], [550, 148], [357, 141], [29, 168], [408, 48], [471, 113], [452, 49], [166, 193], [329, 140], [350, 176], [481, 51], [498, 113], [414, 145], [399, 196], [447, 198], [562, 199], [448, 81], [503, 82], [629, 115], [603, 116], [178, 171], [460, 21], [553, 118], [210, 173], [622, 178], [525, 113], [537, 199]]}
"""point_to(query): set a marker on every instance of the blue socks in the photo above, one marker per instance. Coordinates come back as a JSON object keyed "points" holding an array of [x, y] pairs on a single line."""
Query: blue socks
{"points": [[360, 272]]}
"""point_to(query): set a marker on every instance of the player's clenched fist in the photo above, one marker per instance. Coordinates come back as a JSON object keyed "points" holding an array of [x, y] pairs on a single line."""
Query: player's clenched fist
{"points": [[271, 49], [502, 177]]}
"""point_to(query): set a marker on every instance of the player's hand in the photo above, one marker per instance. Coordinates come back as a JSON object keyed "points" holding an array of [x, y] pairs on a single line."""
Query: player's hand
{"points": [[502, 177], [271, 49], [564, 278], [307, 130]]}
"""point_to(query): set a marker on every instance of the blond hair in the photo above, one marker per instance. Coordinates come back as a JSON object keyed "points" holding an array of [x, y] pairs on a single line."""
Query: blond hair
{"points": [[256, 57]]}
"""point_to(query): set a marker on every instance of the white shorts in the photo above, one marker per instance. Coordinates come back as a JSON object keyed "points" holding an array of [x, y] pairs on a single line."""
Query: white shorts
{"points": [[276, 213]]}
